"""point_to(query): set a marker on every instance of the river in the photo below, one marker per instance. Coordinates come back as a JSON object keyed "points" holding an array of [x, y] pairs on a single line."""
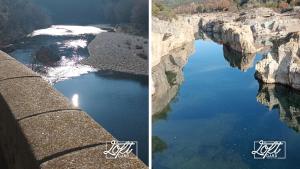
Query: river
{"points": [[117, 101], [218, 113]]}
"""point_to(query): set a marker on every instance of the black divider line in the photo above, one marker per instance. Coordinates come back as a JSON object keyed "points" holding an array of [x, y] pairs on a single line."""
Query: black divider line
{"points": [[19, 77], [46, 112]]}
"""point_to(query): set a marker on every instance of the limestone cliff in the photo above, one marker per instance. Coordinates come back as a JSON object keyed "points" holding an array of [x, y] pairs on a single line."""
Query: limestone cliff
{"points": [[282, 64], [169, 35], [224, 30]]}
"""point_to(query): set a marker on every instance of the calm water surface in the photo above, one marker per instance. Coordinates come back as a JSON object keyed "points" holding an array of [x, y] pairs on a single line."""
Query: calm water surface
{"points": [[218, 113], [119, 102]]}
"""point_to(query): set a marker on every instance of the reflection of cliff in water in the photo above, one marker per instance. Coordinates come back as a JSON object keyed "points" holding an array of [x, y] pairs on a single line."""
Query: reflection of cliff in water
{"points": [[283, 98], [242, 61], [158, 145], [168, 75]]}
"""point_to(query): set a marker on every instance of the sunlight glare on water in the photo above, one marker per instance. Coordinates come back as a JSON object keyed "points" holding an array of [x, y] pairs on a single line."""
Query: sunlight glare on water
{"points": [[75, 100]]}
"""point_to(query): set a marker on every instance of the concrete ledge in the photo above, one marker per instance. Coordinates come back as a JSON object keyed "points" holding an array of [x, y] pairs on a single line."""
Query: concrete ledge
{"points": [[86, 158], [11, 69], [39, 128], [27, 97], [4, 56]]}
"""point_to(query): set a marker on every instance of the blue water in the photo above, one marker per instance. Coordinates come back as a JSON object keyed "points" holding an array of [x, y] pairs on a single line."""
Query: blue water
{"points": [[215, 118]]}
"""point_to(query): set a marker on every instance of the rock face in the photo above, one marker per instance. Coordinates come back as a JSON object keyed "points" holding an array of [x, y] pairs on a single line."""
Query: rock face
{"points": [[119, 52], [264, 23], [238, 36], [282, 98], [282, 64], [48, 55], [167, 36], [167, 76]]}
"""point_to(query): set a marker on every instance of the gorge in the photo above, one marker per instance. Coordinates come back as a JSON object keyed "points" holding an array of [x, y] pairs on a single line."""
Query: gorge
{"points": [[210, 95]]}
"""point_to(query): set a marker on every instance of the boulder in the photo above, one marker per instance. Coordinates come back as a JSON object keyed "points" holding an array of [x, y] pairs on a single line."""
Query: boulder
{"points": [[48, 55]]}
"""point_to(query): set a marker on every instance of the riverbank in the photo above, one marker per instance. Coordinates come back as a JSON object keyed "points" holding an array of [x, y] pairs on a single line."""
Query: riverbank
{"points": [[119, 52]]}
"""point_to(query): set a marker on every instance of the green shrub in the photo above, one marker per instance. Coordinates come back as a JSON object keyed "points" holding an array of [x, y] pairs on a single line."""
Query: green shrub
{"points": [[162, 12]]}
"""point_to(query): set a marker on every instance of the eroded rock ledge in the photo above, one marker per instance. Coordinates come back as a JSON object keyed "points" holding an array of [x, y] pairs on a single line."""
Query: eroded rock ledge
{"points": [[238, 36], [282, 64]]}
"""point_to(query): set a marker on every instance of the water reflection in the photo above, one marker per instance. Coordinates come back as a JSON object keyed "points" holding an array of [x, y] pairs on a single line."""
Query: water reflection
{"points": [[158, 145], [242, 61], [285, 99], [168, 76], [55, 57]]}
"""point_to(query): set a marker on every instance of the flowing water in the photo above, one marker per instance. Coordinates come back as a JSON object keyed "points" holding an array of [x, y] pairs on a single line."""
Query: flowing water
{"points": [[218, 113], [117, 101]]}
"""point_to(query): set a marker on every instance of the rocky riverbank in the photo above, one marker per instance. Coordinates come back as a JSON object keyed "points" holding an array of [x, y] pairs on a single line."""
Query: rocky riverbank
{"points": [[119, 52], [244, 33]]}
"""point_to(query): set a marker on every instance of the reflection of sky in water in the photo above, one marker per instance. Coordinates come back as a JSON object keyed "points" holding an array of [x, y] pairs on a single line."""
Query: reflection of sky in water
{"points": [[68, 42], [216, 116]]}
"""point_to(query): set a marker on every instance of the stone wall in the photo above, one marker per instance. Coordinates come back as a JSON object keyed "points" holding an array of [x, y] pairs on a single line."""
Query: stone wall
{"points": [[39, 128]]}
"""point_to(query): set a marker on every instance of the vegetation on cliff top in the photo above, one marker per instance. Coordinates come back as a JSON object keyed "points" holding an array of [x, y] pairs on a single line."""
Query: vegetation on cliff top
{"points": [[18, 18], [86, 12], [167, 9]]}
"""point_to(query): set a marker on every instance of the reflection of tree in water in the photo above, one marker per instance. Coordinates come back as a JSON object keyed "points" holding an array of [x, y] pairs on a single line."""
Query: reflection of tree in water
{"points": [[158, 145], [285, 99], [242, 61]]}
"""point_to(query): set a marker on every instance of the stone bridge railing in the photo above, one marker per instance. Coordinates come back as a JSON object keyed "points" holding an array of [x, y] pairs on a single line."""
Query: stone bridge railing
{"points": [[39, 128]]}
